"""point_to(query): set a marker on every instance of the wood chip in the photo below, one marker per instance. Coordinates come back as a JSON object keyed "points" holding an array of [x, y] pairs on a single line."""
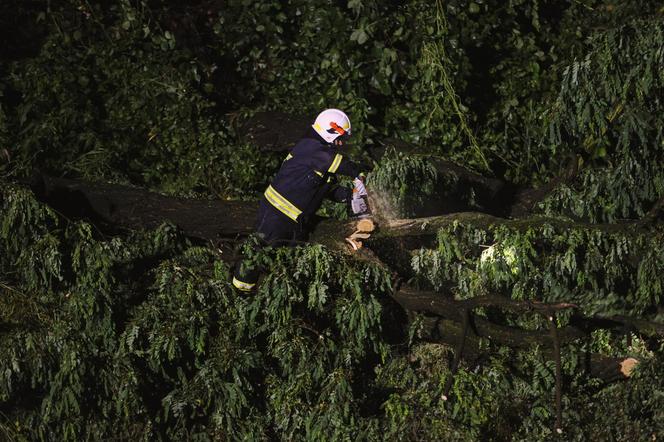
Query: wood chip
{"points": [[356, 245]]}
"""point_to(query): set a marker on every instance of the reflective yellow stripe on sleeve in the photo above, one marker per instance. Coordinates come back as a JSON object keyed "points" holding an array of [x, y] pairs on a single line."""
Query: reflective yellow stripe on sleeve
{"points": [[319, 173], [335, 163], [244, 286], [282, 204]]}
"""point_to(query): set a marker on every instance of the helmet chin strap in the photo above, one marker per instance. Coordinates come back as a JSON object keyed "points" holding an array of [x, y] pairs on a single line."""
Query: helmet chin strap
{"points": [[339, 141]]}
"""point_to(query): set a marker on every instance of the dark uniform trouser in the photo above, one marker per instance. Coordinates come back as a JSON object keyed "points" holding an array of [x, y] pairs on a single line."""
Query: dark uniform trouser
{"points": [[273, 229]]}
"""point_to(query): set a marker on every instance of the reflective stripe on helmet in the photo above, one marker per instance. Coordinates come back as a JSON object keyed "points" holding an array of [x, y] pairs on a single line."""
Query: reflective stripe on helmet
{"points": [[282, 204]]}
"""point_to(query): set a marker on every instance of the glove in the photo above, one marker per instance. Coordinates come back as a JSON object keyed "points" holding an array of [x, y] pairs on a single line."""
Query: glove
{"points": [[359, 189], [357, 205]]}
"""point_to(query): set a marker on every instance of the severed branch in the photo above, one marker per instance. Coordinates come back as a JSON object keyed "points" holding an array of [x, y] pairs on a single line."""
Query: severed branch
{"points": [[446, 331], [418, 227], [445, 306], [458, 352], [559, 375]]}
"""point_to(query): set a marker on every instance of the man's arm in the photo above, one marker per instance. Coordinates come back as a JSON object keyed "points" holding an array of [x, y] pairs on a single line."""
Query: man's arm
{"points": [[349, 168], [342, 165]]}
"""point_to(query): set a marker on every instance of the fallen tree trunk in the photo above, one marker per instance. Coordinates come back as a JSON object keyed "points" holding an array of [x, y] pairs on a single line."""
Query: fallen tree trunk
{"points": [[463, 190], [447, 307], [128, 207], [122, 207], [457, 189], [423, 227]]}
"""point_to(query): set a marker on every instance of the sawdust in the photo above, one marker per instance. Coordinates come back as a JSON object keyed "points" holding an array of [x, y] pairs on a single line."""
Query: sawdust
{"points": [[381, 207]]}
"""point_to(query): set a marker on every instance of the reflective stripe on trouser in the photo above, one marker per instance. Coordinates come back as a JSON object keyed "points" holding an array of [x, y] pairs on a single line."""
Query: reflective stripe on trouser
{"points": [[282, 204], [245, 276], [241, 285]]}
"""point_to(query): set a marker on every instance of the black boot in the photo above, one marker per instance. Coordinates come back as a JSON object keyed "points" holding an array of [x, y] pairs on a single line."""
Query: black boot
{"points": [[245, 276]]}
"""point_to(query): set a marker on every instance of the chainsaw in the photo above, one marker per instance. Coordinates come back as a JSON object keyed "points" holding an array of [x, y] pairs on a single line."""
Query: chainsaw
{"points": [[360, 211]]}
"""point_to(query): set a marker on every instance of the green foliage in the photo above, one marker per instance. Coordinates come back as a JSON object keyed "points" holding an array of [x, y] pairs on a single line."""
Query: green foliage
{"points": [[143, 104], [4, 136], [133, 110], [639, 412], [610, 104], [25, 233], [144, 335], [141, 337], [608, 272]]}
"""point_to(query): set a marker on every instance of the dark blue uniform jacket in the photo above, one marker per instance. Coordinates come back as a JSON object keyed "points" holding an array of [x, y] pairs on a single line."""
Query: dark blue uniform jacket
{"points": [[307, 175]]}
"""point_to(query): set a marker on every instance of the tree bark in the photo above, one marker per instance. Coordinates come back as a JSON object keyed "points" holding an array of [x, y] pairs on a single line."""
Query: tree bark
{"points": [[115, 206], [424, 227]]}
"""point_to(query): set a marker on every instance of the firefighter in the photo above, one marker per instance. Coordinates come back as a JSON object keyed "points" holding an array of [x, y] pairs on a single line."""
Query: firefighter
{"points": [[306, 177]]}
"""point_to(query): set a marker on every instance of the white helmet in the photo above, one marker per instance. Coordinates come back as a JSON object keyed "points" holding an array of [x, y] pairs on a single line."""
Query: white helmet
{"points": [[331, 124]]}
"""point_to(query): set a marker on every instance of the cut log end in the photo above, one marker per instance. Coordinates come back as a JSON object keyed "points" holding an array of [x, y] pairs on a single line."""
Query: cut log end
{"points": [[362, 232], [627, 366], [365, 225]]}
